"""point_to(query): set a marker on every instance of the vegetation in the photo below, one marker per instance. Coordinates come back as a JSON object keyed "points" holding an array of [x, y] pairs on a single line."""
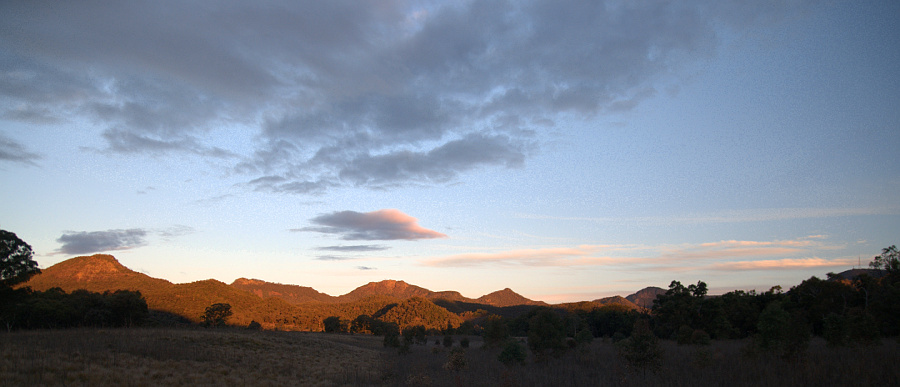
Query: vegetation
{"points": [[55, 308], [216, 315], [16, 260]]}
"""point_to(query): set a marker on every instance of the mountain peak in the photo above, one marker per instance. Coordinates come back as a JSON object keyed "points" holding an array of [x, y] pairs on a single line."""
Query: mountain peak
{"points": [[88, 268], [95, 272], [506, 297]]}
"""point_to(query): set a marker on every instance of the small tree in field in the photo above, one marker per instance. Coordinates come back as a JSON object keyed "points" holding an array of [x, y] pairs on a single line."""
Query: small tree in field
{"points": [[216, 315], [641, 351]]}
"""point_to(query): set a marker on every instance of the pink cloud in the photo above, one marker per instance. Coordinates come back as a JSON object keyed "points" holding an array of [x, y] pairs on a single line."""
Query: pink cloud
{"points": [[388, 224], [558, 256], [788, 263]]}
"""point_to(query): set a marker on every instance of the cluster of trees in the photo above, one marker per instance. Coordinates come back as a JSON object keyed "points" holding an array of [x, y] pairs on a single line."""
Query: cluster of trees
{"points": [[54, 308], [842, 310]]}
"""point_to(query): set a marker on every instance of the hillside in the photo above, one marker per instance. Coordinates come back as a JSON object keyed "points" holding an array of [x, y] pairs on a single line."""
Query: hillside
{"points": [[288, 307], [506, 297], [95, 273], [617, 300], [293, 294], [644, 297]]}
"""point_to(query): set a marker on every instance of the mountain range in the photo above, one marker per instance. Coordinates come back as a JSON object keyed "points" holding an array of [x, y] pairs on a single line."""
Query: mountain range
{"points": [[294, 307]]}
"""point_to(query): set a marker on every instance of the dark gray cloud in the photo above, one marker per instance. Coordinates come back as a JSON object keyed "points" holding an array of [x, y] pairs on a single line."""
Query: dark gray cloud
{"points": [[386, 224], [89, 242], [12, 151], [84, 242], [346, 93], [354, 248]]}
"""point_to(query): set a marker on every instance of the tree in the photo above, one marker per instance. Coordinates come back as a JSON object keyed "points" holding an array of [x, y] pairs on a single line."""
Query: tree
{"points": [[216, 314], [512, 353], [546, 333], [641, 351], [495, 331], [889, 260], [334, 324], [16, 263]]}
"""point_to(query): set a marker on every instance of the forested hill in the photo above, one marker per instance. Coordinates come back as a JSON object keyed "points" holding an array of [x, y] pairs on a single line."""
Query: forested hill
{"points": [[280, 306]]}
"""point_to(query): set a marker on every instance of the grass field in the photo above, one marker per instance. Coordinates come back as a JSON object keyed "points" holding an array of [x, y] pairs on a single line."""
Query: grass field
{"points": [[226, 357], [179, 357]]}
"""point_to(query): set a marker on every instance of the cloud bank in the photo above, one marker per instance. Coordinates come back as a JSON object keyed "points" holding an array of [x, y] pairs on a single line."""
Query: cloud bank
{"points": [[388, 224], [723, 255], [342, 93]]}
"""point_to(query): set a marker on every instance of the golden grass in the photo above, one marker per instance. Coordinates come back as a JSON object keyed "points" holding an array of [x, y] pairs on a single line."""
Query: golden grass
{"points": [[178, 357]]}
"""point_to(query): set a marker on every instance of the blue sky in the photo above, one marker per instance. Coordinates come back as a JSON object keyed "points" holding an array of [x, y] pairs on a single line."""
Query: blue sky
{"points": [[567, 150]]}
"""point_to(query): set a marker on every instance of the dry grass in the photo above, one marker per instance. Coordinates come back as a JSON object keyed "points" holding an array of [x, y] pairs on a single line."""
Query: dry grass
{"points": [[724, 363], [177, 357], [227, 357]]}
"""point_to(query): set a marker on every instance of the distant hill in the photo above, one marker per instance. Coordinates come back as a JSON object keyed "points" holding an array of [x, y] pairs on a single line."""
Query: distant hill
{"points": [[95, 273], [617, 300], [99, 273], [644, 297], [850, 275], [293, 294], [293, 307], [392, 288], [506, 297]]}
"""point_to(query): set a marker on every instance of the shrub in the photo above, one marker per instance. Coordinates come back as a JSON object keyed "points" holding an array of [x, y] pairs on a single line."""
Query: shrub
{"points": [[513, 353]]}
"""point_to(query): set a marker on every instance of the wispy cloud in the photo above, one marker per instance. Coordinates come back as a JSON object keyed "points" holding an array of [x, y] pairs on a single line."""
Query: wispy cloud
{"points": [[12, 151], [386, 224], [332, 258], [719, 255], [561, 256], [365, 268], [353, 248], [735, 216], [787, 263]]}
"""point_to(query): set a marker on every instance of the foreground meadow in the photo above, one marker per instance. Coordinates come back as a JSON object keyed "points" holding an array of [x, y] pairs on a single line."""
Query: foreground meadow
{"points": [[180, 357], [235, 357], [724, 363]]}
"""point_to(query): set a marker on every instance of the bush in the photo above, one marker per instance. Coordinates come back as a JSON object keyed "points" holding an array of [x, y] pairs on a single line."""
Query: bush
{"points": [[641, 351], [513, 353]]}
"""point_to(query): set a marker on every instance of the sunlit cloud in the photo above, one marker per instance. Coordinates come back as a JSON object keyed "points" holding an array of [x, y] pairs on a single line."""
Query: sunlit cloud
{"points": [[388, 224], [701, 256], [564, 256], [788, 263]]}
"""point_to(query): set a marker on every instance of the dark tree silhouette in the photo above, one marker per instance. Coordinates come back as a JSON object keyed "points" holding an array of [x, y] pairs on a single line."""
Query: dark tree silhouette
{"points": [[16, 263], [334, 324], [216, 315]]}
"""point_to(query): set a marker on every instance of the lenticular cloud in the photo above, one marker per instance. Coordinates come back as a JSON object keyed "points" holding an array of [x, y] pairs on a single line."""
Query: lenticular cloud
{"points": [[388, 224]]}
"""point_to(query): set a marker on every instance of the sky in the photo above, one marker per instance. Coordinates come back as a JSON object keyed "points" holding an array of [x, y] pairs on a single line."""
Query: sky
{"points": [[568, 150]]}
